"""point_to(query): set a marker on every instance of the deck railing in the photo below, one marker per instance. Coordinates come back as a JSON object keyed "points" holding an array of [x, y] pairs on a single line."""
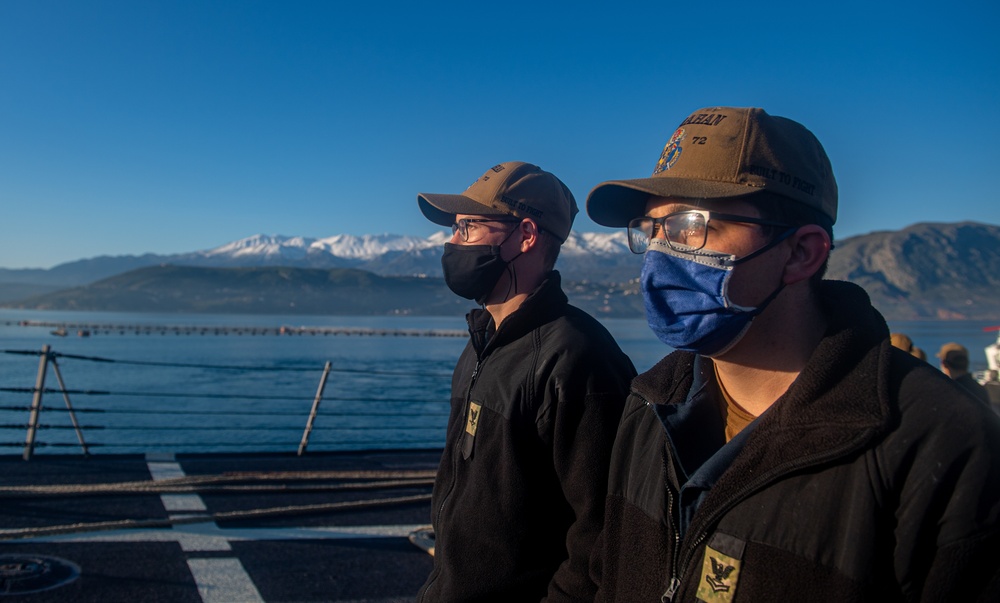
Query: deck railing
{"points": [[232, 408]]}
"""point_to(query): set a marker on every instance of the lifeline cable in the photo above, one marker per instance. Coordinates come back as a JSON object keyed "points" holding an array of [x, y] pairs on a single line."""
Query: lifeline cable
{"points": [[433, 405], [224, 366], [102, 392]]}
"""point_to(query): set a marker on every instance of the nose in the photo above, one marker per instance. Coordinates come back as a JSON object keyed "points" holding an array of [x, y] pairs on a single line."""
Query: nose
{"points": [[659, 232]]}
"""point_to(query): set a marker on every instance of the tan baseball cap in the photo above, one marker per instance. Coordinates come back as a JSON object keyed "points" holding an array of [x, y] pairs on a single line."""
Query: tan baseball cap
{"points": [[901, 341], [514, 189], [721, 152]]}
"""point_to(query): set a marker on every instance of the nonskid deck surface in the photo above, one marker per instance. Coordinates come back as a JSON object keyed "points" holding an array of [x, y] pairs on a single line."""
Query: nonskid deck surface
{"points": [[214, 528]]}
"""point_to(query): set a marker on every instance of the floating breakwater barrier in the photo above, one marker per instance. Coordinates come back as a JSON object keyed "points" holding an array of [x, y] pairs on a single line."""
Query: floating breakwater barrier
{"points": [[86, 329]]}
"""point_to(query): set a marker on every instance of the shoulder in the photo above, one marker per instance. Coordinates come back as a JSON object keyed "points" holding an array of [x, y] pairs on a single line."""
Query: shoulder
{"points": [[978, 389], [942, 455], [577, 333], [941, 421], [668, 379], [923, 391], [574, 318]]}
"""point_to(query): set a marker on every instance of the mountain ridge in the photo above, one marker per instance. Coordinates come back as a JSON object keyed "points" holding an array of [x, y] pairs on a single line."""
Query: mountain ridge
{"points": [[385, 254], [925, 271]]}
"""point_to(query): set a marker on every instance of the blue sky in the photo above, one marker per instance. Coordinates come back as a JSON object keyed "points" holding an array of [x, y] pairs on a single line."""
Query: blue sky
{"points": [[168, 126]]}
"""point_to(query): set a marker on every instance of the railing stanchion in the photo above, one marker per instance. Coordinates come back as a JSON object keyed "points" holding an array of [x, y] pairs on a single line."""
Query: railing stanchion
{"points": [[69, 407], [36, 403], [315, 409]]}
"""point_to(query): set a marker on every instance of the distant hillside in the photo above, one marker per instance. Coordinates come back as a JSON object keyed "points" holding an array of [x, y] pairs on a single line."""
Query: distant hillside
{"points": [[935, 271], [585, 256], [79, 272], [270, 290], [925, 271], [265, 290]]}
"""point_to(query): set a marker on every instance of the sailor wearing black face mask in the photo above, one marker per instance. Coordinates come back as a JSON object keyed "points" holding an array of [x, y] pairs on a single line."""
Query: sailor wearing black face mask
{"points": [[472, 271], [536, 398]]}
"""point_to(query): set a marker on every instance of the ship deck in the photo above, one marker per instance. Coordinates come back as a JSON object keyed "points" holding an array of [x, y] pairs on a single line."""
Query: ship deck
{"points": [[215, 527]]}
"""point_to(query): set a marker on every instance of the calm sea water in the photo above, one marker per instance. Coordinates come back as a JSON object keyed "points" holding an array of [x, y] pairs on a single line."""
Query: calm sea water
{"points": [[132, 391]]}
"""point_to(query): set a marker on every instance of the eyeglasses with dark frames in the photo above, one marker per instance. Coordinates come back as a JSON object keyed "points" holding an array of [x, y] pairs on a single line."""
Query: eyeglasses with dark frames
{"points": [[684, 231], [462, 226]]}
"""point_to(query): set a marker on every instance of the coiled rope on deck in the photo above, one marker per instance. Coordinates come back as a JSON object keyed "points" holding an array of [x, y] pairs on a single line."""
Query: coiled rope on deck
{"points": [[217, 483], [124, 524], [371, 480]]}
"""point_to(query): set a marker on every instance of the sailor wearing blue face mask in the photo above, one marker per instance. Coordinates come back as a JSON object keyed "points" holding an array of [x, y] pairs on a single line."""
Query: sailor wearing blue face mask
{"points": [[685, 286], [785, 451]]}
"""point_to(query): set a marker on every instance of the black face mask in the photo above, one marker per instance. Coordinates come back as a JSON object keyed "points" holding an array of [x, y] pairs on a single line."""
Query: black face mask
{"points": [[472, 271]]}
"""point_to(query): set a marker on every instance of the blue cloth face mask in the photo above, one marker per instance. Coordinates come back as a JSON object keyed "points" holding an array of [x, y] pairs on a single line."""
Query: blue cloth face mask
{"points": [[687, 298]]}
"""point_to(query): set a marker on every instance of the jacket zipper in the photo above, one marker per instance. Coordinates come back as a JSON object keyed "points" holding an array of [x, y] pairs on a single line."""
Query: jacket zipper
{"points": [[675, 571], [733, 501], [472, 382], [454, 464], [674, 584], [675, 580], [465, 413]]}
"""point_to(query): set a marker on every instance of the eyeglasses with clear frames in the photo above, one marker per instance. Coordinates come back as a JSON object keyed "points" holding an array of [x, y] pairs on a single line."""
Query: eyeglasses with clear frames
{"points": [[684, 231], [462, 226]]}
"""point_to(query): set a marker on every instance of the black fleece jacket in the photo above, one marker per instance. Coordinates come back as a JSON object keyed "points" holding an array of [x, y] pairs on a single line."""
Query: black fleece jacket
{"points": [[873, 478], [519, 496]]}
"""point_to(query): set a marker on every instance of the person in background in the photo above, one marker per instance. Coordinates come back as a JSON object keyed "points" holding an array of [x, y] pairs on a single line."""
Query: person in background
{"points": [[954, 359], [536, 397], [903, 342], [785, 450]]}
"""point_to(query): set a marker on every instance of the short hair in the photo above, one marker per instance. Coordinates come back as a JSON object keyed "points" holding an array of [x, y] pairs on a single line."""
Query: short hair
{"points": [[550, 246], [956, 361], [779, 208]]}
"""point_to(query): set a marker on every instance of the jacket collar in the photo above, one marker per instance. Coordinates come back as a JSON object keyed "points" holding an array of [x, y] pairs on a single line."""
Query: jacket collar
{"points": [[839, 403], [839, 400], [545, 303]]}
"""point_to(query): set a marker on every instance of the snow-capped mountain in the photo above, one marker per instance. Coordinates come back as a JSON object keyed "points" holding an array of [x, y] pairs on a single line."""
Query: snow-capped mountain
{"points": [[365, 247], [370, 247], [597, 257], [595, 243], [910, 274], [262, 246], [584, 256]]}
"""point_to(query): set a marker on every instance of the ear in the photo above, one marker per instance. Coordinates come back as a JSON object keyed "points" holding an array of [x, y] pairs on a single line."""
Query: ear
{"points": [[810, 246], [529, 234]]}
